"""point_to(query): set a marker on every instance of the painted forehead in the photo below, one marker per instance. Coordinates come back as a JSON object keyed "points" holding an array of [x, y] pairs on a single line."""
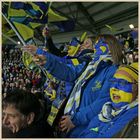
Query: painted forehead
{"points": [[121, 84]]}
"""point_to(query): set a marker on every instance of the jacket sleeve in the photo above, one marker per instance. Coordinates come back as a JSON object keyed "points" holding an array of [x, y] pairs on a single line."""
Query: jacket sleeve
{"points": [[52, 48], [109, 129], [88, 112], [66, 60], [62, 71]]}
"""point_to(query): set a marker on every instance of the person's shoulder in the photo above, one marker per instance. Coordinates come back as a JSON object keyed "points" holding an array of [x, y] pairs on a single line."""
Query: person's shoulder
{"points": [[130, 130], [41, 127]]}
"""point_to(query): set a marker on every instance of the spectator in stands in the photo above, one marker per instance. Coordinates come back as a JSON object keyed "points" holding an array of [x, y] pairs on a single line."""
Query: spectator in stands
{"points": [[135, 54], [121, 39], [130, 42], [93, 79], [132, 56], [79, 50], [129, 56], [118, 118], [21, 116], [13, 71], [134, 33]]}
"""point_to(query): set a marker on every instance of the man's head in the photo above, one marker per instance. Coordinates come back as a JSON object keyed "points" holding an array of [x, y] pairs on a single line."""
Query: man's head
{"points": [[20, 109], [124, 85]]}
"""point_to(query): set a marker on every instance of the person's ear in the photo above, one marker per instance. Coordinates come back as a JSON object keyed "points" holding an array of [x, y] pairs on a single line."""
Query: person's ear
{"points": [[30, 118]]}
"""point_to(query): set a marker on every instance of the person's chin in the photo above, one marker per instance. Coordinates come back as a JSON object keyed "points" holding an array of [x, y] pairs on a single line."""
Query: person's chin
{"points": [[8, 128], [11, 129]]}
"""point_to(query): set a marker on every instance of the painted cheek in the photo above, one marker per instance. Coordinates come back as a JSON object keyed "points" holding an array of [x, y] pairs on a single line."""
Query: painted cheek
{"points": [[125, 97], [112, 92], [70, 51], [121, 96]]}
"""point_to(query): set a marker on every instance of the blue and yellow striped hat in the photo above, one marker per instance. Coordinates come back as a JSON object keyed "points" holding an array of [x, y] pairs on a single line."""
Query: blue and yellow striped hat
{"points": [[128, 72]]}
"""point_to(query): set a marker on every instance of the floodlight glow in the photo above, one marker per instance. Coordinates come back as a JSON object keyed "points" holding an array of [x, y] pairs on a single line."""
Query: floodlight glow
{"points": [[131, 26], [18, 42]]}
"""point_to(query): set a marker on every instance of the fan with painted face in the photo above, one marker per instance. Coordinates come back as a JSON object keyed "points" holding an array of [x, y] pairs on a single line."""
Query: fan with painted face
{"points": [[116, 116], [124, 85], [75, 44], [101, 47]]}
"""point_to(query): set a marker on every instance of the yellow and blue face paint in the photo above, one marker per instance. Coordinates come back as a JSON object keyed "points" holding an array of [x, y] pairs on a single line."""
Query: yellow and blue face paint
{"points": [[120, 92], [71, 50], [101, 48], [73, 46]]}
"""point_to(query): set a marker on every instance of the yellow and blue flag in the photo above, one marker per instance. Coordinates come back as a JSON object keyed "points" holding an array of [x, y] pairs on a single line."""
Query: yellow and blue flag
{"points": [[26, 16]]}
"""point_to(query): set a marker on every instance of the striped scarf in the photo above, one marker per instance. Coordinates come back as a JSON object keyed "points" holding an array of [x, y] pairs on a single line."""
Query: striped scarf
{"points": [[108, 112], [74, 99]]}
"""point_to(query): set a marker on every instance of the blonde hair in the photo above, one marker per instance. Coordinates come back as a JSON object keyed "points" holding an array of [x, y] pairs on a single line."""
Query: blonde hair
{"points": [[115, 47]]}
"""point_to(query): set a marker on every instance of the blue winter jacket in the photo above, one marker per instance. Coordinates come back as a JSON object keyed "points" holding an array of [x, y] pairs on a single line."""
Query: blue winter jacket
{"points": [[94, 92], [84, 56], [109, 129], [60, 70]]}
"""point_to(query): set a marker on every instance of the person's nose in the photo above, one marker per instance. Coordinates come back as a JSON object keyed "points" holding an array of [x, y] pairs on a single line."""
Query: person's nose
{"points": [[5, 120], [115, 85]]}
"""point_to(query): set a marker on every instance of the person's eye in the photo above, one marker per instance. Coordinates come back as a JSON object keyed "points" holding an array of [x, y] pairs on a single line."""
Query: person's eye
{"points": [[113, 82], [122, 83], [12, 116], [114, 89], [3, 114]]}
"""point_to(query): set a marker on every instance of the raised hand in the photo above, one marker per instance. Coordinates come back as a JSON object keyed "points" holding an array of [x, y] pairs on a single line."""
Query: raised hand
{"points": [[39, 59], [46, 32], [30, 48]]}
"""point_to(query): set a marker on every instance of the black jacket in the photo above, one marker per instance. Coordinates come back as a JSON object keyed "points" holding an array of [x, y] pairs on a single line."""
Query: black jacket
{"points": [[39, 129]]}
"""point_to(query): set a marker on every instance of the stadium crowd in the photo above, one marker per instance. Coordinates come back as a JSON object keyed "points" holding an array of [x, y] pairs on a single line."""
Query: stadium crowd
{"points": [[90, 91]]}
